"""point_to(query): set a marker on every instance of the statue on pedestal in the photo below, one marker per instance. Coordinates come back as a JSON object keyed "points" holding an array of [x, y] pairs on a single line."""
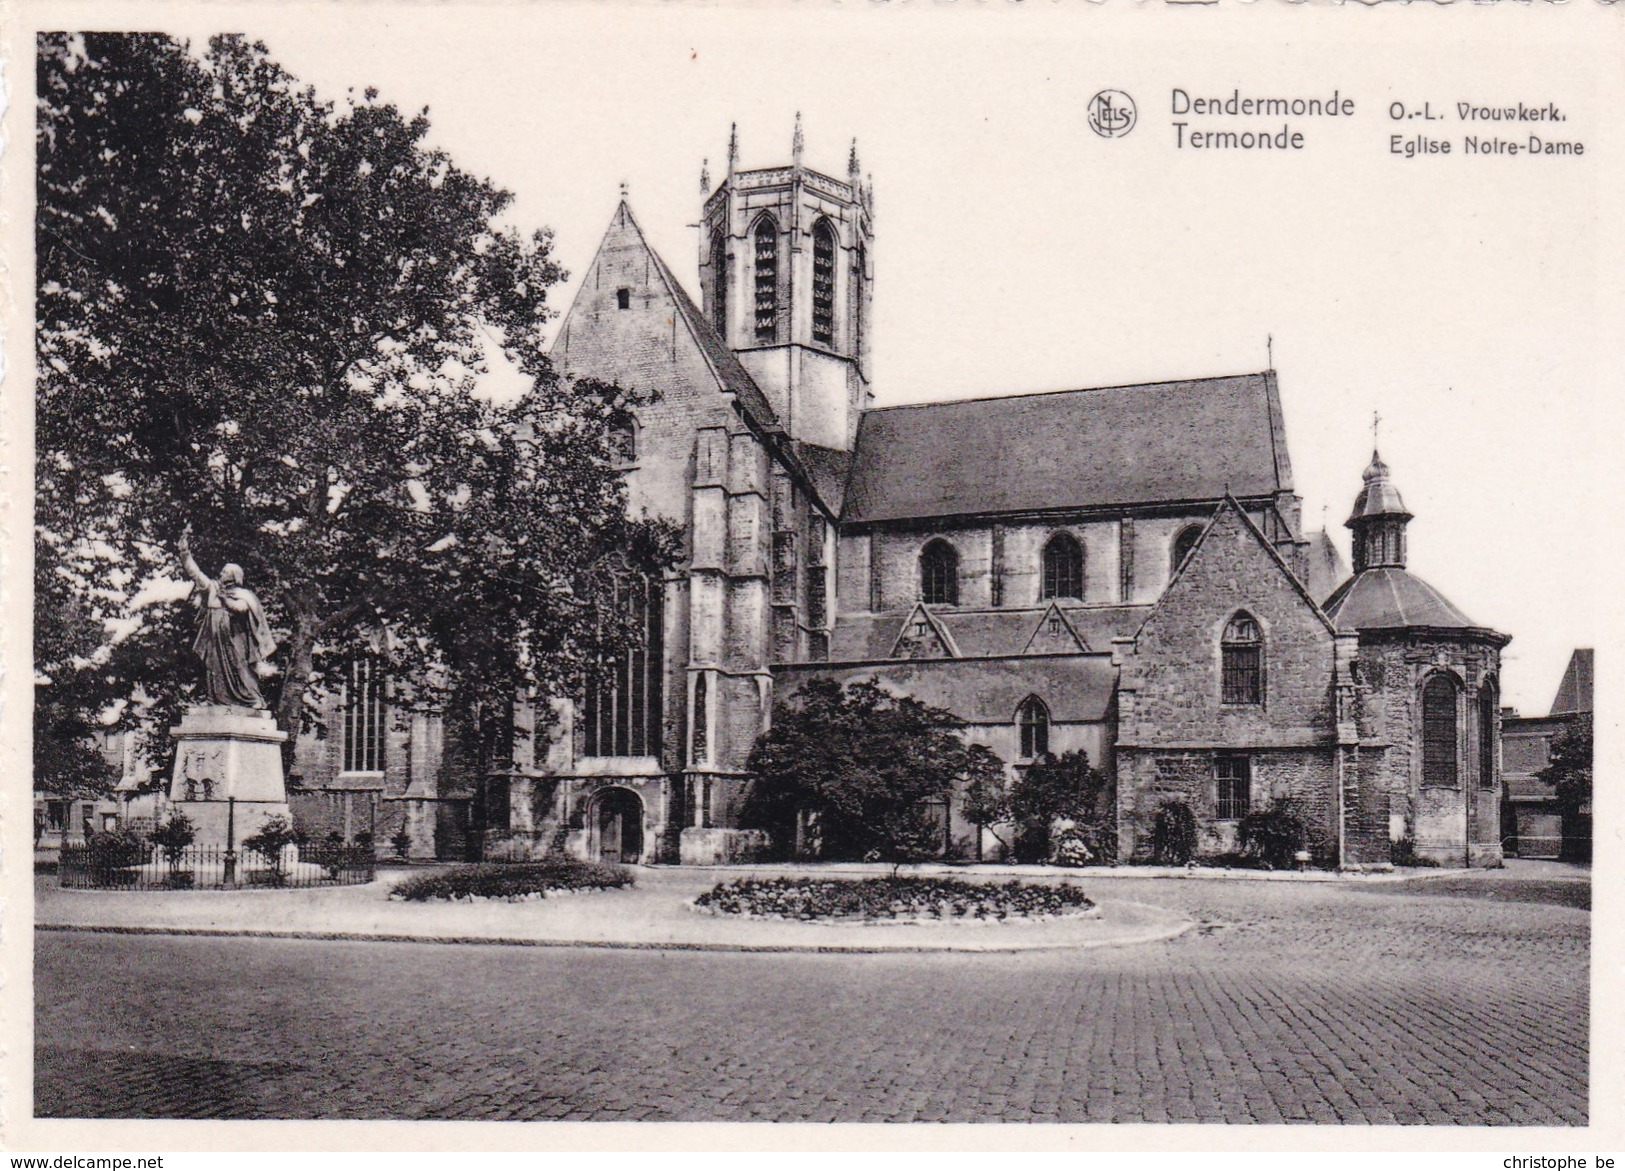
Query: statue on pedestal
{"points": [[232, 633], [228, 750]]}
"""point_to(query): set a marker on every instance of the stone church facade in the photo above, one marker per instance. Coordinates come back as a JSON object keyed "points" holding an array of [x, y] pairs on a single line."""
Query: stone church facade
{"points": [[1122, 570]]}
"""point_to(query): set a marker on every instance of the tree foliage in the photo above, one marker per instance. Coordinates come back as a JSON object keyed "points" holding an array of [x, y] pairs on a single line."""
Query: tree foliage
{"points": [[865, 765], [1568, 770], [1059, 789], [270, 315]]}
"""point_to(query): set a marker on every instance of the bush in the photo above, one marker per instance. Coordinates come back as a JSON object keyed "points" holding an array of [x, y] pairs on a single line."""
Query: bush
{"points": [[173, 836], [1173, 835], [111, 855], [1273, 836], [881, 899], [512, 880], [274, 837], [401, 840], [1060, 800], [1402, 852]]}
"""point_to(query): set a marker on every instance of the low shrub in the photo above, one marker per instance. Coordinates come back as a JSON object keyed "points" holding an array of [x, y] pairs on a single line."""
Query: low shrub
{"points": [[1173, 834], [881, 899], [512, 880], [1274, 836], [1403, 853]]}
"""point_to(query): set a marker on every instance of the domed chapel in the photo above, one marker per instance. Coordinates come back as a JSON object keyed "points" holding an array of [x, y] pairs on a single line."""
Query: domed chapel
{"points": [[1118, 569]]}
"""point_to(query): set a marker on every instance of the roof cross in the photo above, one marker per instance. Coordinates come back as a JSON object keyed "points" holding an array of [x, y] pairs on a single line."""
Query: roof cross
{"points": [[1376, 422]]}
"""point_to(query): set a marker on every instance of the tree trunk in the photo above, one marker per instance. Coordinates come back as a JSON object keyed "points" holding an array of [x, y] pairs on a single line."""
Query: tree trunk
{"points": [[290, 708]]}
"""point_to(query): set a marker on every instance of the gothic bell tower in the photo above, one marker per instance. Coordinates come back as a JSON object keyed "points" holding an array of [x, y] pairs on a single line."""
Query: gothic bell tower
{"points": [[787, 279]]}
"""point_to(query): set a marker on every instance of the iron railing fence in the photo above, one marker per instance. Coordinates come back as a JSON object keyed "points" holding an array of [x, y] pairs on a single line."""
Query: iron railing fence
{"points": [[126, 866]]}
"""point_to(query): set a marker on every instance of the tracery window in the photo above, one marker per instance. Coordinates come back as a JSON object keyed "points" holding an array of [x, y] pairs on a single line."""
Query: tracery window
{"points": [[1183, 544], [699, 742], [939, 574], [623, 439], [1032, 718], [621, 712], [766, 238], [823, 285], [1063, 567], [362, 716], [1439, 732], [1241, 654]]}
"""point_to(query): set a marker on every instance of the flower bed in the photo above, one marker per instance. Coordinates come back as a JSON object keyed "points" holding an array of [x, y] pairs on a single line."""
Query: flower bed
{"points": [[512, 881], [892, 899]]}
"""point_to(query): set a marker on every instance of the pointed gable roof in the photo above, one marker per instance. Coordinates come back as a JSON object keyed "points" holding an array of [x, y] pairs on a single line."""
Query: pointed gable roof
{"points": [[1054, 635], [1162, 442], [1230, 507], [624, 235], [923, 637]]}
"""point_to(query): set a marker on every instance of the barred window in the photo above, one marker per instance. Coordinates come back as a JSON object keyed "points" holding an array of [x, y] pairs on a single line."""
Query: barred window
{"points": [[1439, 732], [623, 298], [1183, 544], [362, 716], [1242, 661], [939, 574], [719, 283], [621, 712], [766, 239], [1063, 567], [1234, 778], [1032, 718], [823, 286]]}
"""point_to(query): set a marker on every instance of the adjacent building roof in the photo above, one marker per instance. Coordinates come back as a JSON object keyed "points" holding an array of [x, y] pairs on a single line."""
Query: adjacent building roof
{"points": [[1574, 693], [1326, 567], [1386, 598], [1075, 688], [981, 633], [1113, 446]]}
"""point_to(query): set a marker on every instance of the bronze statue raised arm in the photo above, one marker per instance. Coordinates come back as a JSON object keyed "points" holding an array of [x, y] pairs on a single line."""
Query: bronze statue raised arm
{"points": [[232, 633]]}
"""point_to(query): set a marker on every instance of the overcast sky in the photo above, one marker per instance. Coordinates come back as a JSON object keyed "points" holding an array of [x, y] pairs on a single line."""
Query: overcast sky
{"points": [[1017, 251]]}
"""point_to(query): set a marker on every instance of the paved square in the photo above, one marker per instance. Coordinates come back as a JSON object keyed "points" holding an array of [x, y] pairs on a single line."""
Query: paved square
{"points": [[1450, 1000]]}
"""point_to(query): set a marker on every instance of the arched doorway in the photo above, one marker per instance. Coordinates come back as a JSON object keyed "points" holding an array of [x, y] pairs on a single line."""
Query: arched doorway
{"points": [[617, 821]]}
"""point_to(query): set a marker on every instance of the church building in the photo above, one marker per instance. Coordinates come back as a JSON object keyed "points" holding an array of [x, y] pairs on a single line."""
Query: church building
{"points": [[1118, 569]]}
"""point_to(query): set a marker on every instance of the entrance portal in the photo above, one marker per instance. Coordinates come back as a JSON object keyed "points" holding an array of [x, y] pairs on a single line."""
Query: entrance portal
{"points": [[619, 815]]}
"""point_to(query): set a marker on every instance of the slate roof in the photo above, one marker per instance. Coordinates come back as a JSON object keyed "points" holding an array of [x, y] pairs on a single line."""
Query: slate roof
{"points": [[980, 633], [827, 467], [1574, 693], [1327, 569], [1075, 688], [731, 375], [1388, 598], [1111, 446]]}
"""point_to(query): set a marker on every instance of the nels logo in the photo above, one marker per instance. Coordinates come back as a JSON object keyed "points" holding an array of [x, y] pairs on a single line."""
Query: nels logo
{"points": [[1112, 113]]}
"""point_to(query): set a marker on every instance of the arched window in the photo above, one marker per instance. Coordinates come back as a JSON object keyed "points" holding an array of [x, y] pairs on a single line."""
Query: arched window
{"points": [[823, 284], [939, 574], [1487, 704], [766, 240], [859, 259], [1032, 718], [1063, 567], [1183, 544], [362, 716], [719, 283], [621, 712], [1439, 732], [623, 438], [1242, 661]]}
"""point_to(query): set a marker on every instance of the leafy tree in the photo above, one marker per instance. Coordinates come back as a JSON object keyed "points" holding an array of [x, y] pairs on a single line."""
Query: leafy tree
{"points": [[1569, 774], [269, 315], [986, 799], [1061, 788], [868, 765]]}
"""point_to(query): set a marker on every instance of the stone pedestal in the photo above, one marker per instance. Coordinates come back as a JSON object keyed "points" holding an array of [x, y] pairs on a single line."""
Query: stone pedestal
{"points": [[224, 752]]}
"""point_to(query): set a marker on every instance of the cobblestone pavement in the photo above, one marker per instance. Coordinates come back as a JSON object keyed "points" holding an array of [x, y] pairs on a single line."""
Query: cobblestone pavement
{"points": [[1289, 1003]]}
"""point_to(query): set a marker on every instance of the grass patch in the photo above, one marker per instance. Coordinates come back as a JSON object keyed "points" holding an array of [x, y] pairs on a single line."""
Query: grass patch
{"points": [[880, 899], [512, 880]]}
